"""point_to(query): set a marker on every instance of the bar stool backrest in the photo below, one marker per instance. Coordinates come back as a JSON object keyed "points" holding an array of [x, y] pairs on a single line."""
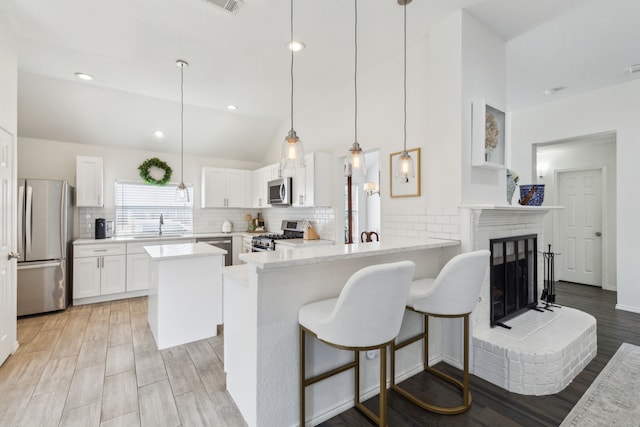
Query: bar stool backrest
{"points": [[370, 307], [457, 287]]}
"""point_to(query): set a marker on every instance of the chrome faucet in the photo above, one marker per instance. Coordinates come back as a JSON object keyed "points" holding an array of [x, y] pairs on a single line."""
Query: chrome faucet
{"points": [[161, 223]]}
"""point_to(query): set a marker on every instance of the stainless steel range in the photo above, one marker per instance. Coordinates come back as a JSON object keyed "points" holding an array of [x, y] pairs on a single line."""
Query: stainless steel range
{"points": [[267, 242]]}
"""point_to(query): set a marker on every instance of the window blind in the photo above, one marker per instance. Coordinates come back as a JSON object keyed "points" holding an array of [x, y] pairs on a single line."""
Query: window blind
{"points": [[139, 206]]}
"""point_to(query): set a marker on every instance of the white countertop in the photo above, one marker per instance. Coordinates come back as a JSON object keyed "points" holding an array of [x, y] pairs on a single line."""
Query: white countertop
{"points": [[164, 237], [318, 254], [302, 243], [183, 250]]}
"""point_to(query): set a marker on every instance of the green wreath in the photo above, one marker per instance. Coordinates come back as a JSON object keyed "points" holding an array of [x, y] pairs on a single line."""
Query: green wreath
{"points": [[157, 163]]}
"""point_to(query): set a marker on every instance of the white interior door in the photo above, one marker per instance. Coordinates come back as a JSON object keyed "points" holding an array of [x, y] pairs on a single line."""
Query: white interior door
{"points": [[7, 266], [581, 226]]}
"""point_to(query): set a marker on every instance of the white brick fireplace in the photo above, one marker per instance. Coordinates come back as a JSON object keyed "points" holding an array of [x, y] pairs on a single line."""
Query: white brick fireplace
{"points": [[543, 351]]}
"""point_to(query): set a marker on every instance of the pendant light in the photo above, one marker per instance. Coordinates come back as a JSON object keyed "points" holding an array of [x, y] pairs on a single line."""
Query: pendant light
{"points": [[404, 166], [182, 192], [292, 151], [355, 166]]}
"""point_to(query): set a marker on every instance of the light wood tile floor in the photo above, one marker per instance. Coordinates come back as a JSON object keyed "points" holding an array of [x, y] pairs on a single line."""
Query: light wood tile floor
{"points": [[97, 365]]}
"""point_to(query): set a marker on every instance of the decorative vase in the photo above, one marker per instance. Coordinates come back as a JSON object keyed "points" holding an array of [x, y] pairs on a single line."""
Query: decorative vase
{"points": [[511, 188]]}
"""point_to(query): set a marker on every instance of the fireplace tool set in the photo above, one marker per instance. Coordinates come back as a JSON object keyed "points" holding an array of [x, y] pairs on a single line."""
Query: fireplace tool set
{"points": [[548, 292]]}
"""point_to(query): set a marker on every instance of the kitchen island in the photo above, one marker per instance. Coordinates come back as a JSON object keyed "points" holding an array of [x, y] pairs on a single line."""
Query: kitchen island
{"points": [[185, 297], [261, 303]]}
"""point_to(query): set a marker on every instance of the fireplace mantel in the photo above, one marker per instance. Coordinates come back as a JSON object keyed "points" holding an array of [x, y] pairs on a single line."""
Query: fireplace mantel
{"points": [[488, 215]]}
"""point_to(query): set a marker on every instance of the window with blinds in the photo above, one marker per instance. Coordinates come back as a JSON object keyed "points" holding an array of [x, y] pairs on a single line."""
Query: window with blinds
{"points": [[139, 206]]}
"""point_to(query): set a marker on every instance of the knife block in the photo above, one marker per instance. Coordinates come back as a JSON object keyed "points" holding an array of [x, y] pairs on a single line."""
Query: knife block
{"points": [[310, 234]]}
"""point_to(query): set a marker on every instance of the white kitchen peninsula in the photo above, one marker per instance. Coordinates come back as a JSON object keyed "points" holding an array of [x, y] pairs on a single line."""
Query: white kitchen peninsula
{"points": [[261, 302], [185, 298]]}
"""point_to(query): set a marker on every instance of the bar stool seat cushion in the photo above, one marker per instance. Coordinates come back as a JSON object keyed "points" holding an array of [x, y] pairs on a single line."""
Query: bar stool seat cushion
{"points": [[420, 288], [311, 316], [369, 310], [455, 291]]}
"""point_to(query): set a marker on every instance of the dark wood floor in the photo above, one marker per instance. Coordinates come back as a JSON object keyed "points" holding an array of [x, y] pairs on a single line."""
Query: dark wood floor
{"points": [[493, 406]]}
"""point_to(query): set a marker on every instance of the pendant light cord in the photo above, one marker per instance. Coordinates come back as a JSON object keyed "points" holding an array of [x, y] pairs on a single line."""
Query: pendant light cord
{"points": [[290, 47], [182, 123], [404, 8], [355, 73]]}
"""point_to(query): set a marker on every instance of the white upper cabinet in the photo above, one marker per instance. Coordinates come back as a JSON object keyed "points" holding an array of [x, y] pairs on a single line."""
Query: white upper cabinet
{"points": [[225, 188], [259, 193], [89, 182], [312, 184]]}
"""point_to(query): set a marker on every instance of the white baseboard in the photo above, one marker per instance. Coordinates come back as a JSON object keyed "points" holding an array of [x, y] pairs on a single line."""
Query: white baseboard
{"points": [[627, 308]]}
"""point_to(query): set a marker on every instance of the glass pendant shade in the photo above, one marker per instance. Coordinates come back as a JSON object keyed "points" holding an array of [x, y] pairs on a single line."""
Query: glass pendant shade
{"points": [[404, 168], [182, 193], [292, 152], [355, 164]]}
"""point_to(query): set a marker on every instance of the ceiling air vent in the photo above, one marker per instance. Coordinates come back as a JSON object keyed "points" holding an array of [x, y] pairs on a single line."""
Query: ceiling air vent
{"points": [[230, 6]]}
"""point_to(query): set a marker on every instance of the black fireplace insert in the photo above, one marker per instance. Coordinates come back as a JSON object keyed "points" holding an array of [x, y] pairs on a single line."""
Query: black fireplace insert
{"points": [[514, 277]]}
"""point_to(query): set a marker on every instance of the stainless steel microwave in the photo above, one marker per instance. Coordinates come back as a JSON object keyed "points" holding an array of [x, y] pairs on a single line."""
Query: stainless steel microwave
{"points": [[280, 192]]}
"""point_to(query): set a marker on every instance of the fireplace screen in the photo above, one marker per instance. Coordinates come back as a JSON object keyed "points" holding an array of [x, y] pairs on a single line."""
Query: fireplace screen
{"points": [[514, 277]]}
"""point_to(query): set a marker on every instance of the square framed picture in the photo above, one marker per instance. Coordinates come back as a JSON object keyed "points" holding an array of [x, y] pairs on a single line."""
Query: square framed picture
{"points": [[405, 187], [490, 125]]}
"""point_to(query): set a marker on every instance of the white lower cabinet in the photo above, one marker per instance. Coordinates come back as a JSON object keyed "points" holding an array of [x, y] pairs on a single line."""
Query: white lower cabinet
{"points": [[107, 271], [138, 276], [99, 269]]}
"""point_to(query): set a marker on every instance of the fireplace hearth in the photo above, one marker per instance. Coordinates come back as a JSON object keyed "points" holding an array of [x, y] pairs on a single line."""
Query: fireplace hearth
{"points": [[513, 277]]}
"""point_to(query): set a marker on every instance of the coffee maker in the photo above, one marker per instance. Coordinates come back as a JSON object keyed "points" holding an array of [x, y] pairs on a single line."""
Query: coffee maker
{"points": [[101, 228]]}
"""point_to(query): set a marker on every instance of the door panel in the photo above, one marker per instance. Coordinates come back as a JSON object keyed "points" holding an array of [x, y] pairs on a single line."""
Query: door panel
{"points": [[44, 220], [41, 287], [7, 266], [580, 225]]}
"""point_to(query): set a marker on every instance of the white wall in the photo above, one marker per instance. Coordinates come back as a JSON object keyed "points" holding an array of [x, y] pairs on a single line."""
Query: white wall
{"points": [[612, 109], [484, 76], [584, 156]]}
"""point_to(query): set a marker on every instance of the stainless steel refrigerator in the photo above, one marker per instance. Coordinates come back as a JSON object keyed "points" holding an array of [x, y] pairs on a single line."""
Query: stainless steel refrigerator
{"points": [[45, 224]]}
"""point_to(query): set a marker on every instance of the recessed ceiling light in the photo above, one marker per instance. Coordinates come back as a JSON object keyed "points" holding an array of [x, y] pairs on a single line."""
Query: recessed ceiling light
{"points": [[232, 107], [158, 133], [84, 76], [295, 45], [553, 90], [633, 69]]}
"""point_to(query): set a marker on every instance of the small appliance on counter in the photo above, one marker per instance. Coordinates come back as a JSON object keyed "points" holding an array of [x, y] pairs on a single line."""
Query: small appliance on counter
{"points": [[227, 227], [108, 231], [101, 228]]}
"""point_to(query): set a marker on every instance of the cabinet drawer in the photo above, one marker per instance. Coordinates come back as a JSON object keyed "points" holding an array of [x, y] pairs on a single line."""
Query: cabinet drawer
{"points": [[80, 251]]}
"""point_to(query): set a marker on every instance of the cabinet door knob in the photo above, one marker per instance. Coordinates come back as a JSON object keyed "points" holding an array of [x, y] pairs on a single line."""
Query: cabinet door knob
{"points": [[13, 255]]}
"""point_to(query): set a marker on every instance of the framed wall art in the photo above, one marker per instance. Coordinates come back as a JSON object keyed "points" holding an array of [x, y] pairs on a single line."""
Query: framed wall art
{"points": [[489, 125], [410, 187]]}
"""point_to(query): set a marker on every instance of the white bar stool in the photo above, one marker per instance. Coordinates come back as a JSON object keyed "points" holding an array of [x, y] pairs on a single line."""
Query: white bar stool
{"points": [[454, 293], [366, 316]]}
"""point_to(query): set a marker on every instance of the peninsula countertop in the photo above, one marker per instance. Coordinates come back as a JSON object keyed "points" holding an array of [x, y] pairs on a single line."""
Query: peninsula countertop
{"points": [[182, 250], [320, 254]]}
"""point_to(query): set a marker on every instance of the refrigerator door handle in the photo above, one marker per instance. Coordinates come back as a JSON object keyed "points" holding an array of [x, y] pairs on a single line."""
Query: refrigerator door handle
{"points": [[28, 220], [29, 266], [63, 225], [20, 221]]}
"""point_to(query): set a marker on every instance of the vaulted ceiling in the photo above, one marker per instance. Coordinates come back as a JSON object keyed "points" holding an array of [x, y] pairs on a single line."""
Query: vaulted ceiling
{"points": [[130, 47]]}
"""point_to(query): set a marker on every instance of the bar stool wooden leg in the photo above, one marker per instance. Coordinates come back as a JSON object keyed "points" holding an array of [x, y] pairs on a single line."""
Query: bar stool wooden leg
{"points": [[383, 387], [302, 377]]}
